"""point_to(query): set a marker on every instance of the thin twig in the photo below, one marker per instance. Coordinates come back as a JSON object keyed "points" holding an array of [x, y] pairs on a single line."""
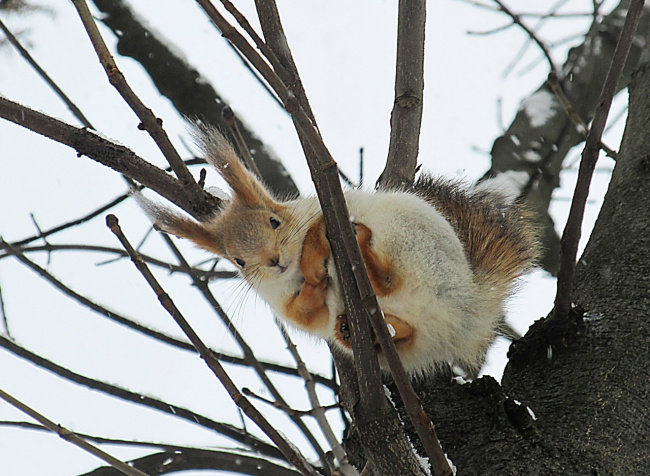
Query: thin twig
{"points": [[286, 408], [172, 268], [491, 31], [318, 412], [71, 437], [289, 451], [360, 167], [3, 314], [517, 57], [73, 223], [531, 14], [228, 117], [573, 115], [572, 230], [532, 35]]}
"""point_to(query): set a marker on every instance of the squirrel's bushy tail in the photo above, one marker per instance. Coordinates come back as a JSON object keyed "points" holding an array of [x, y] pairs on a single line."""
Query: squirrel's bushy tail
{"points": [[499, 238]]}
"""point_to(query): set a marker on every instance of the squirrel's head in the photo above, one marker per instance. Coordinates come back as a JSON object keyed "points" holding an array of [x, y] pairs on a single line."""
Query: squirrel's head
{"points": [[259, 235]]}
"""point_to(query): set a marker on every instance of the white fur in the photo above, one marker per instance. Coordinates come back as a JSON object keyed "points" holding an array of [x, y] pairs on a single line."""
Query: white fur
{"points": [[437, 295]]}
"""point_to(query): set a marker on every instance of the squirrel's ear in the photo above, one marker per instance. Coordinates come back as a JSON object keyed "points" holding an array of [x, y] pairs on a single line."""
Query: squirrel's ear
{"points": [[168, 221], [220, 153]]}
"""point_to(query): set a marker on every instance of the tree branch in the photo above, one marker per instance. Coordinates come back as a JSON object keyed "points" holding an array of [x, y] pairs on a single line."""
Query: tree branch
{"points": [[71, 437], [516, 19], [406, 117], [114, 156], [149, 121], [173, 461], [572, 231], [191, 94]]}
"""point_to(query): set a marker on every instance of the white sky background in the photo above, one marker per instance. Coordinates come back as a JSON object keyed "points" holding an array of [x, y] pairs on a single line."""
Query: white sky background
{"points": [[345, 53]]}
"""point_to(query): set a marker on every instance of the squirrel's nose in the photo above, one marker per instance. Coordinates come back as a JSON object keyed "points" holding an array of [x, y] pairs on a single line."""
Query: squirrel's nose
{"points": [[274, 262]]}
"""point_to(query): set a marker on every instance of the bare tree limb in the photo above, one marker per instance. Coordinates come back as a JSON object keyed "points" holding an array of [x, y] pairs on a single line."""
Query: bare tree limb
{"points": [[406, 117], [114, 156]]}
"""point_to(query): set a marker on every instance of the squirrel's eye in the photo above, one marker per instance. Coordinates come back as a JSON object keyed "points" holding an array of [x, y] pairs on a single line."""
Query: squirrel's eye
{"points": [[274, 222], [240, 262]]}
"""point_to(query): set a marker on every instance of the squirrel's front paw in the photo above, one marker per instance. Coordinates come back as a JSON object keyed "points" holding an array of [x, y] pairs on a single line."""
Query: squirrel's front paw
{"points": [[315, 274], [314, 295]]}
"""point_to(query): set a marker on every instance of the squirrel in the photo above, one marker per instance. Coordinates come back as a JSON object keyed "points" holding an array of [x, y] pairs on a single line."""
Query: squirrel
{"points": [[442, 259]]}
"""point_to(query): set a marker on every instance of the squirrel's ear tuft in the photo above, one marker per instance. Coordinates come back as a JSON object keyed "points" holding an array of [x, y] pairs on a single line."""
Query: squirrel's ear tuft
{"points": [[220, 153], [168, 221]]}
